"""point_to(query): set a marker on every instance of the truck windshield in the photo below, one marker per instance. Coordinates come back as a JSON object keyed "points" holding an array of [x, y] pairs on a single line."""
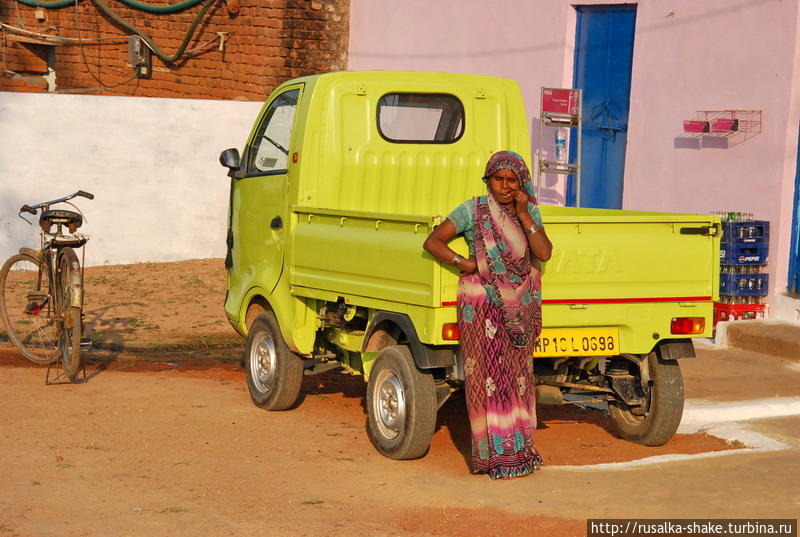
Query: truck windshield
{"points": [[420, 118], [270, 149]]}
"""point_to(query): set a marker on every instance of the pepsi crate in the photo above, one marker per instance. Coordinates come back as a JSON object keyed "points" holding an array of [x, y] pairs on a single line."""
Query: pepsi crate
{"points": [[743, 254], [743, 284], [748, 232]]}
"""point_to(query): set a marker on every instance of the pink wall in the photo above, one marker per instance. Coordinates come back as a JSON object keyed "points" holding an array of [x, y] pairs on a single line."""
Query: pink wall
{"points": [[715, 55], [688, 56]]}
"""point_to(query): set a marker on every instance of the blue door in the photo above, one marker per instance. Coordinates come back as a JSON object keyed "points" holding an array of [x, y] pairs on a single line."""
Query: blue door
{"points": [[794, 256], [603, 61]]}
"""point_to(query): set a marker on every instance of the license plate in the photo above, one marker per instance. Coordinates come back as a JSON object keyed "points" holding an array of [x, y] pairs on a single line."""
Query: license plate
{"points": [[577, 342]]}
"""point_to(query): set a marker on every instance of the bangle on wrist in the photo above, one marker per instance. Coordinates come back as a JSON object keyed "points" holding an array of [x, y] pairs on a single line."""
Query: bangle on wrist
{"points": [[533, 229], [456, 260]]}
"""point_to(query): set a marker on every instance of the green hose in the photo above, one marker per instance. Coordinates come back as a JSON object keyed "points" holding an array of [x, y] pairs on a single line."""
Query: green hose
{"points": [[50, 5], [180, 6], [147, 39]]}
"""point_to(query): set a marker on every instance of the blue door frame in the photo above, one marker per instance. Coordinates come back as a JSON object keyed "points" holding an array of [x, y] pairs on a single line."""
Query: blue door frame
{"points": [[603, 63], [794, 255]]}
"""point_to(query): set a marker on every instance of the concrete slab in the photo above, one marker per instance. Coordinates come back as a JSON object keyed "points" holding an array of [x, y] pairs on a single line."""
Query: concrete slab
{"points": [[770, 337], [738, 375]]}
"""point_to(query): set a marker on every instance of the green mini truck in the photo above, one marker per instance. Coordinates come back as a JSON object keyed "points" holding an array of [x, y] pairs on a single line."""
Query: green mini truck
{"points": [[343, 177]]}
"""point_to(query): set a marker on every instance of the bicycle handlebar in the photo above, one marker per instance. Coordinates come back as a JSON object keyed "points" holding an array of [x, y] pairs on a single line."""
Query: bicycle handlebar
{"points": [[33, 208]]}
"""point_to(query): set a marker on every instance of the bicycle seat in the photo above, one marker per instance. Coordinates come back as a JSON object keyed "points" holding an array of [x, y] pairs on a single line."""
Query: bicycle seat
{"points": [[72, 219]]}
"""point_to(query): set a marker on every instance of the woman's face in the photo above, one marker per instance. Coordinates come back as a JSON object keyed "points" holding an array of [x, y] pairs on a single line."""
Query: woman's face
{"points": [[502, 185]]}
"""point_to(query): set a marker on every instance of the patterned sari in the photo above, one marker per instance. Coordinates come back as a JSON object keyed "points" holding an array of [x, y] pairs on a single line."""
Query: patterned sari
{"points": [[499, 316]]}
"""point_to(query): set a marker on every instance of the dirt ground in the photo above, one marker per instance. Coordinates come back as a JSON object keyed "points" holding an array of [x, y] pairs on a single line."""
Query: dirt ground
{"points": [[162, 438]]}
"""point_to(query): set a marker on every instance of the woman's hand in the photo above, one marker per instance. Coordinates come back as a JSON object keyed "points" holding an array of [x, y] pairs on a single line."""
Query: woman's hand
{"points": [[520, 204], [436, 245], [468, 266], [538, 241]]}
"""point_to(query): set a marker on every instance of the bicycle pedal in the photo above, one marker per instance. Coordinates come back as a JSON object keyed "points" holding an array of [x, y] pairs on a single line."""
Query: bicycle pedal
{"points": [[86, 343]]}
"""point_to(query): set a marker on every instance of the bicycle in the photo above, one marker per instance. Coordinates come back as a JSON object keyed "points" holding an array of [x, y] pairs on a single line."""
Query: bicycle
{"points": [[41, 291]]}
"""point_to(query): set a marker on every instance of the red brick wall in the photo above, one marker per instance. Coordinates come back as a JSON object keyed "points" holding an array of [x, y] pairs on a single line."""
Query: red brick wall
{"points": [[269, 41]]}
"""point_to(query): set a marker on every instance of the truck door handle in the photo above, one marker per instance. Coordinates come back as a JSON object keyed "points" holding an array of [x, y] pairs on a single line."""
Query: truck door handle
{"points": [[708, 231], [276, 223]]}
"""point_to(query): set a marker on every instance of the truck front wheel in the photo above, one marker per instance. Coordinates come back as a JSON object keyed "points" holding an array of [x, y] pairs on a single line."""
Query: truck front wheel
{"points": [[274, 373], [654, 422], [401, 405]]}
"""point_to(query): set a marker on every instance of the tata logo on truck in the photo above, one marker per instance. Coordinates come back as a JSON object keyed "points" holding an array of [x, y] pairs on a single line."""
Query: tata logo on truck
{"points": [[586, 261]]}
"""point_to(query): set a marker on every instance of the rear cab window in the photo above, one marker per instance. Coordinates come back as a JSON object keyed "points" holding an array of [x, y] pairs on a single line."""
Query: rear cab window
{"points": [[420, 118]]}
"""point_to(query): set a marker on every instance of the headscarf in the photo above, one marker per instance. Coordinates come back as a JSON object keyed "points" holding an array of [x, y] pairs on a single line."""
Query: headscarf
{"points": [[503, 255]]}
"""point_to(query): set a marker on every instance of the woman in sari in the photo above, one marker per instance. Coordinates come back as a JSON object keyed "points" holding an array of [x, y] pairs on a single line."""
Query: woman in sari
{"points": [[499, 313]]}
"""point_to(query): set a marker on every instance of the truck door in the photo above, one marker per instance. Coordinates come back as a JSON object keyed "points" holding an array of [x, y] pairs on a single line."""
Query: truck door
{"points": [[259, 211]]}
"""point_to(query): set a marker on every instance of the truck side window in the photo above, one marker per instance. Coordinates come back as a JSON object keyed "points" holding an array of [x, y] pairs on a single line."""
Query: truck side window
{"points": [[422, 118], [270, 151]]}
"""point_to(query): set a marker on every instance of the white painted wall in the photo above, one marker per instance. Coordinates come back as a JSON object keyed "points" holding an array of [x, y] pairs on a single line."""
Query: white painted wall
{"points": [[152, 164]]}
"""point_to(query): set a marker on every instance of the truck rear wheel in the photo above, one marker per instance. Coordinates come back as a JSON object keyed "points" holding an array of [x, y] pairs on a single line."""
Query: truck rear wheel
{"points": [[274, 373], [401, 405], [656, 421]]}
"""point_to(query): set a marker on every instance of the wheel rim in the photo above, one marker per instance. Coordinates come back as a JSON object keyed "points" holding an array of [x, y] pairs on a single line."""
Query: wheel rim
{"points": [[389, 404], [28, 311], [263, 362]]}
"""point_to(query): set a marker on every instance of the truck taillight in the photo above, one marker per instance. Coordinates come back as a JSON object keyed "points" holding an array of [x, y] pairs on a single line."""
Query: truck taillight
{"points": [[687, 325], [450, 332]]}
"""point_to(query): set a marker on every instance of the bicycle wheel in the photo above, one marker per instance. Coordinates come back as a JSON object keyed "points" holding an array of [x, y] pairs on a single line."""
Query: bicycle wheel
{"points": [[68, 278], [27, 309]]}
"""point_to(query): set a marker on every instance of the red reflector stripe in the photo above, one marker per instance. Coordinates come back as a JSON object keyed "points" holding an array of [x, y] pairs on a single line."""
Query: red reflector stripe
{"points": [[617, 300], [628, 300]]}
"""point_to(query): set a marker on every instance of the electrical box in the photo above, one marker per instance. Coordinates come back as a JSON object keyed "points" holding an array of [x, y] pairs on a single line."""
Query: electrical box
{"points": [[140, 56]]}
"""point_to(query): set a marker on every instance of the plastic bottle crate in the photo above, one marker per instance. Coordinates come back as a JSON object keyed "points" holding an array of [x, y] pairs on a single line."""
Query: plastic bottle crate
{"points": [[743, 254], [736, 312], [743, 284], [747, 232]]}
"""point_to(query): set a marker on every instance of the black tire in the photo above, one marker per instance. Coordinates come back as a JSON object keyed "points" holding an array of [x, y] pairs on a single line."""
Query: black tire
{"points": [[656, 421], [274, 373], [27, 309], [401, 405], [69, 285]]}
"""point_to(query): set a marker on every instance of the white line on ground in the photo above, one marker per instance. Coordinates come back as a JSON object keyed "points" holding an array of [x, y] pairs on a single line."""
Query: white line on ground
{"points": [[720, 420], [699, 414]]}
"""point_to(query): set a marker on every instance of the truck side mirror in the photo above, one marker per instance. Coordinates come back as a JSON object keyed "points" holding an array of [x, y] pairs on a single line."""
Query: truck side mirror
{"points": [[230, 159]]}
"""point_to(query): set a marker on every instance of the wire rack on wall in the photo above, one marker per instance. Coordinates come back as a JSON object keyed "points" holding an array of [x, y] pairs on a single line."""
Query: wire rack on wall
{"points": [[738, 125]]}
